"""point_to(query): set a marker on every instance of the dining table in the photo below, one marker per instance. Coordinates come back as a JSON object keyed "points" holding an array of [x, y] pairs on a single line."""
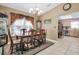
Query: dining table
{"points": [[21, 37]]}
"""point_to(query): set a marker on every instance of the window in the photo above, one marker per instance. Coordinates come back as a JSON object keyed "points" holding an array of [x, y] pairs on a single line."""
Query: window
{"points": [[21, 24], [75, 24]]}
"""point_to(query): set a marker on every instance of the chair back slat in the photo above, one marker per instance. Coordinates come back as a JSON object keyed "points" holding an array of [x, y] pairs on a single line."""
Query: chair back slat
{"points": [[9, 35]]}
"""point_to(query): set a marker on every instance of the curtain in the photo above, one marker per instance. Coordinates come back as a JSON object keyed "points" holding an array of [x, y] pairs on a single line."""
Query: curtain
{"points": [[15, 16]]}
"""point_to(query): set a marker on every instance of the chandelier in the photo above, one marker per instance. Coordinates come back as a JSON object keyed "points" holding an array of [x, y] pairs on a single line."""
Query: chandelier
{"points": [[35, 11]]}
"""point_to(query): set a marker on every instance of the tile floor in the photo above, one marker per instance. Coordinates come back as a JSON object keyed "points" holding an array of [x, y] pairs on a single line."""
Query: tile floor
{"points": [[64, 46]]}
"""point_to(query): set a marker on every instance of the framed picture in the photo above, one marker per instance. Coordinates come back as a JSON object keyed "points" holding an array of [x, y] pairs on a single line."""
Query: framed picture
{"points": [[47, 21], [38, 24]]}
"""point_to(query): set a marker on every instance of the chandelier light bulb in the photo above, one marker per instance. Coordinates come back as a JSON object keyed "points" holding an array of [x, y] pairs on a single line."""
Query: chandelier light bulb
{"points": [[37, 9], [30, 10], [40, 11]]}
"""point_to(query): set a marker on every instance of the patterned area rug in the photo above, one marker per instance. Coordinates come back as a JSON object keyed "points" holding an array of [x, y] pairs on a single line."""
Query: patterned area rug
{"points": [[35, 50]]}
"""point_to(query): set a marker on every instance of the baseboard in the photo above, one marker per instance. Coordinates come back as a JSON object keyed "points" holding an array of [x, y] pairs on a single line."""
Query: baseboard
{"points": [[51, 40]]}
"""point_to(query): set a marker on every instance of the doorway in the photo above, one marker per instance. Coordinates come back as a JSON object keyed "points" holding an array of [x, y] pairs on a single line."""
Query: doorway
{"points": [[70, 23]]}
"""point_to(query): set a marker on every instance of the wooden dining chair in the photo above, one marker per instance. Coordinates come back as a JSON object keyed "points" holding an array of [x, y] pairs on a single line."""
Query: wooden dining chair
{"points": [[37, 38], [33, 41], [12, 42], [27, 39], [30, 39], [43, 35]]}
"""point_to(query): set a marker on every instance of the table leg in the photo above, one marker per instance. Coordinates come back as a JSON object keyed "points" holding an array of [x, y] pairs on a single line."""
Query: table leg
{"points": [[22, 48], [3, 50], [21, 45]]}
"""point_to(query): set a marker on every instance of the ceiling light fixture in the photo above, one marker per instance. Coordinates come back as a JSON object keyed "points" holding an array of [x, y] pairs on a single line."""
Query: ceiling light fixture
{"points": [[35, 11]]}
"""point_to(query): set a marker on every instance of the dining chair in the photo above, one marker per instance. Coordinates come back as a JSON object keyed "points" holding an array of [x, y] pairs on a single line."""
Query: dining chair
{"points": [[43, 34], [30, 39], [41, 37], [33, 38], [37, 38], [13, 42], [27, 39]]}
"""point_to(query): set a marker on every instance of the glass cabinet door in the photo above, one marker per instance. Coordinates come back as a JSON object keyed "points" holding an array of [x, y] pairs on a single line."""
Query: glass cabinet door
{"points": [[3, 27], [3, 31]]}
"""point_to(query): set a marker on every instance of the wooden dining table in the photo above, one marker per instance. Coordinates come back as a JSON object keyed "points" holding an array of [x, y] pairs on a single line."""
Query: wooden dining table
{"points": [[21, 37]]}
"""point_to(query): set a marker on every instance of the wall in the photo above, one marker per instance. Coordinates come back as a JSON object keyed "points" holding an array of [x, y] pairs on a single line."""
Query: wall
{"points": [[52, 28]]}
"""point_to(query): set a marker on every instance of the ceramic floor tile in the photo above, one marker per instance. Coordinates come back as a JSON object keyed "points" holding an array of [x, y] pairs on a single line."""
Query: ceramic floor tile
{"points": [[72, 53], [74, 49], [53, 52], [65, 45]]}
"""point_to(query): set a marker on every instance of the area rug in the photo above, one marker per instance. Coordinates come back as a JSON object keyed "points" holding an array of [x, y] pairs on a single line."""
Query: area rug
{"points": [[38, 49], [35, 50]]}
